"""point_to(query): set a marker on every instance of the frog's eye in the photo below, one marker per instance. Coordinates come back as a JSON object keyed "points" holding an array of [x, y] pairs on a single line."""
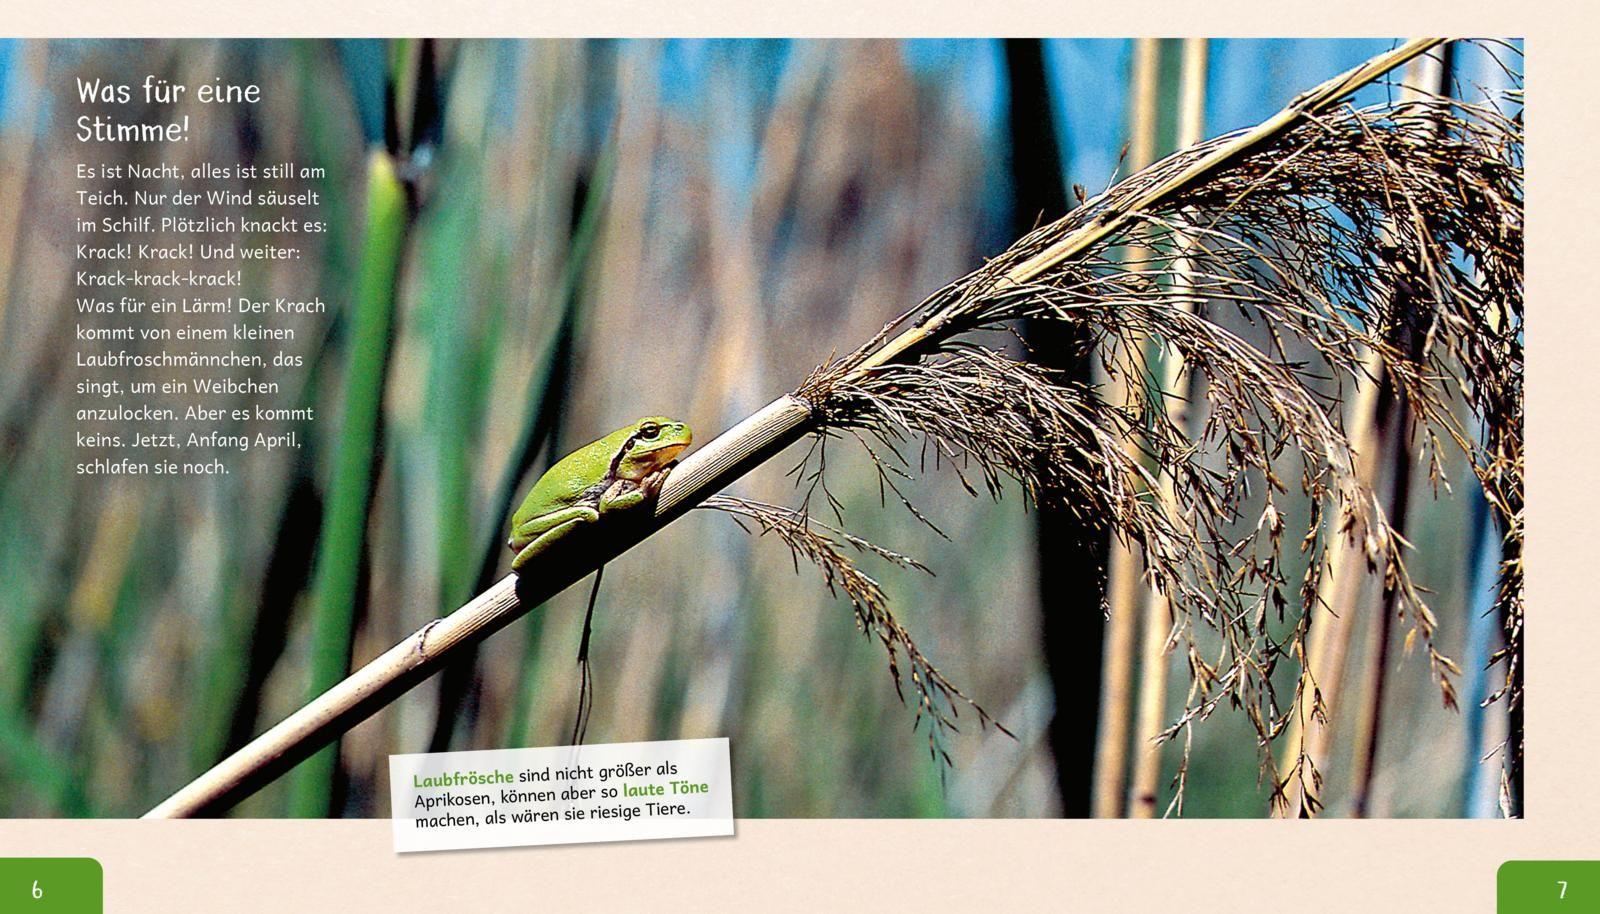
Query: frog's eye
{"points": [[649, 430]]}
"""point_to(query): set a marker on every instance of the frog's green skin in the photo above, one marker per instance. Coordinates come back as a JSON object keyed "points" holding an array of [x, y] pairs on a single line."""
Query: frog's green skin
{"points": [[621, 470]]}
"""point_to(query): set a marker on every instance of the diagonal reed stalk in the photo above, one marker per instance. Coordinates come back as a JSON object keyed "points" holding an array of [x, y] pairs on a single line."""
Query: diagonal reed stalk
{"points": [[1268, 249]]}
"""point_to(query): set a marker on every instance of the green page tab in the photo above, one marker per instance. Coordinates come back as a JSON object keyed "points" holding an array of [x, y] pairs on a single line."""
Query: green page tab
{"points": [[51, 885], [1555, 886]]}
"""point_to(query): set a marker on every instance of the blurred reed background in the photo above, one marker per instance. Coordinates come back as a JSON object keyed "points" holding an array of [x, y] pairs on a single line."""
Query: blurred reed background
{"points": [[535, 242]]}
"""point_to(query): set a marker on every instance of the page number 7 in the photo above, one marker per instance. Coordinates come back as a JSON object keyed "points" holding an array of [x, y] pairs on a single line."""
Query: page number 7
{"points": [[1563, 884]]}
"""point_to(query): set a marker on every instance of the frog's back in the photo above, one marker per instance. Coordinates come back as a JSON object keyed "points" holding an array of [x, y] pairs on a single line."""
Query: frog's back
{"points": [[571, 479]]}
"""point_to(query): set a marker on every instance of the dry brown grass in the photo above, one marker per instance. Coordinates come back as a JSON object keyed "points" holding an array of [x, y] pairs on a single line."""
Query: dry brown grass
{"points": [[1332, 239]]}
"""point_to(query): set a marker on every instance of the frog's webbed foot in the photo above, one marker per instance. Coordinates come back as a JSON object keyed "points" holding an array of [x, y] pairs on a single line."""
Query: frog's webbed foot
{"points": [[618, 492], [652, 483], [626, 494]]}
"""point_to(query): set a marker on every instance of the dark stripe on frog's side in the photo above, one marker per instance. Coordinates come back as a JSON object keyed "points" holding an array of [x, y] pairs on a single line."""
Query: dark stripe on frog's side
{"points": [[590, 497], [616, 459]]}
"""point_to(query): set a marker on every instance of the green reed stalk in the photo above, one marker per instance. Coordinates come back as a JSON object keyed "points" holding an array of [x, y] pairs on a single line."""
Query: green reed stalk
{"points": [[344, 527]]}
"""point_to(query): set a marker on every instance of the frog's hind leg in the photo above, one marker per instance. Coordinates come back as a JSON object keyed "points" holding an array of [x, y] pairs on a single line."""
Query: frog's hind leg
{"points": [[539, 534]]}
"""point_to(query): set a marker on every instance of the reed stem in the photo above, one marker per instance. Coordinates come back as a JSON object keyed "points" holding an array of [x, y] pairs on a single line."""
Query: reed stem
{"points": [[343, 543], [1123, 570], [1155, 663], [1346, 578]]}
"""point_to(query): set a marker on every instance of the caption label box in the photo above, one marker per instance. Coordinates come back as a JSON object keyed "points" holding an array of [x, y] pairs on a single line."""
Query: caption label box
{"points": [[561, 795]]}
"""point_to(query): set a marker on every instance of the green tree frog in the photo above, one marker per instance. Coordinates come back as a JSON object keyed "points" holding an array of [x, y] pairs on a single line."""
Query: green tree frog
{"points": [[622, 470]]}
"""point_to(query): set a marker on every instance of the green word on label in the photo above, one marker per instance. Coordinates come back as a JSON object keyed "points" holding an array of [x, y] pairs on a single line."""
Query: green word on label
{"points": [[51, 885], [1541, 886]]}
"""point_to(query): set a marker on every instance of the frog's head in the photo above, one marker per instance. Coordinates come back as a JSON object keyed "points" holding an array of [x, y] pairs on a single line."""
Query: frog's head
{"points": [[654, 442]]}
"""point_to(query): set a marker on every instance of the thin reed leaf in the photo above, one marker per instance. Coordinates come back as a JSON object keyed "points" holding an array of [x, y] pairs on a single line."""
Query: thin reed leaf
{"points": [[340, 550]]}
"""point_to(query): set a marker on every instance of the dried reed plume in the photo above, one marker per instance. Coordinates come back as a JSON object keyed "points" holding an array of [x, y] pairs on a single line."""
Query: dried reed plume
{"points": [[1336, 237], [819, 543]]}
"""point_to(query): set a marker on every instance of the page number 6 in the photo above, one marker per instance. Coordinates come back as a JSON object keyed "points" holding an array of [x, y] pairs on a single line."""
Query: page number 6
{"points": [[1560, 882]]}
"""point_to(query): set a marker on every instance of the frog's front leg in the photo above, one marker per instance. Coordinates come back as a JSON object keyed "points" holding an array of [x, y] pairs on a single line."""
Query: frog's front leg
{"points": [[624, 494], [540, 533], [621, 496], [652, 484]]}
